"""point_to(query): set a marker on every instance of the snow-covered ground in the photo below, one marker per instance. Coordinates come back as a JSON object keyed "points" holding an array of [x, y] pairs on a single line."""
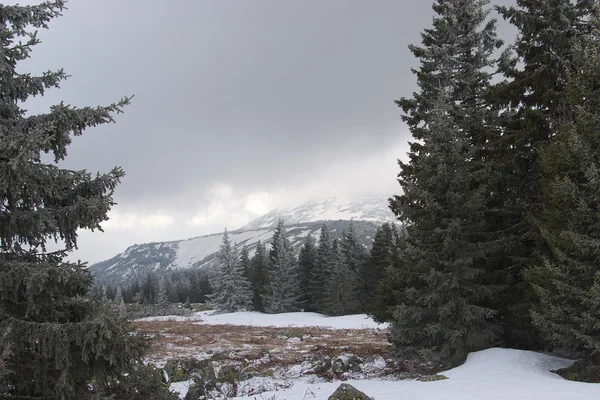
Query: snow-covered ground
{"points": [[297, 319], [489, 374]]}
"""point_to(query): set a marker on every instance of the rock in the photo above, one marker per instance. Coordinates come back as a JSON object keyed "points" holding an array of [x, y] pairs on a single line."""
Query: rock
{"points": [[338, 366], [353, 364], [220, 356], [432, 378], [348, 392], [323, 366]]}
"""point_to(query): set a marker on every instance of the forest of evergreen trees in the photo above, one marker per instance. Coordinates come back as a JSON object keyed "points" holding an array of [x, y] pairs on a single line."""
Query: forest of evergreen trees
{"points": [[499, 204], [501, 191], [331, 276]]}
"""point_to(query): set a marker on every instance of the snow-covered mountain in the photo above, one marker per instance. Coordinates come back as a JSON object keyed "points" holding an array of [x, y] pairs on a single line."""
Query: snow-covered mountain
{"points": [[366, 215], [373, 209]]}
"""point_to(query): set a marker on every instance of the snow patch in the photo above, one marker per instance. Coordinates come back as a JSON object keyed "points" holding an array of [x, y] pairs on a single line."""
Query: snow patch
{"points": [[297, 319]]}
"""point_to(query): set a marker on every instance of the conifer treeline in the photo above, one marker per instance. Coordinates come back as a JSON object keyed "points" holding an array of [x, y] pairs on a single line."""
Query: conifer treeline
{"points": [[500, 193], [190, 285], [330, 276]]}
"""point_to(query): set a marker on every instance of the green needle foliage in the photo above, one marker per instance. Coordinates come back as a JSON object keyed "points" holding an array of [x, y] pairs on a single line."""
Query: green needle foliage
{"points": [[55, 343]]}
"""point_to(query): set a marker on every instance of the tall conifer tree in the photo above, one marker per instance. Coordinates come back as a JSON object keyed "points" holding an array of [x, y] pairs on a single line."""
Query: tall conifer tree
{"points": [[54, 343], [530, 102], [567, 279], [259, 276], [231, 287], [283, 292], [322, 269], [446, 183], [307, 259]]}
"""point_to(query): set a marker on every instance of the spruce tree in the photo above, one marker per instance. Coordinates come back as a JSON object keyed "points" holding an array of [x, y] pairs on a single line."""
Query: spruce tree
{"points": [[322, 269], [445, 186], [306, 266], [340, 296], [162, 297], [396, 277], [354, 257], [245, 261], [567, 279], [283, 292], [231, 288], [374, 268], [530, 101], [259, 276], [54, 342]]}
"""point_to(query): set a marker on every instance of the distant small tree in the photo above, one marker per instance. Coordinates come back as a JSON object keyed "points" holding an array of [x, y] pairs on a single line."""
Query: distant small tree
{"points": [[322, 269], [374, 269], [259, 276], [162, 296], [354, 257], [306, 266]]}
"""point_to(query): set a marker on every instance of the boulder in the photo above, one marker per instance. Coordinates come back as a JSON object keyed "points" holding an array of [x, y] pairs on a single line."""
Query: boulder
{"points": [[338, 366], [348, 392], [353, 364]]}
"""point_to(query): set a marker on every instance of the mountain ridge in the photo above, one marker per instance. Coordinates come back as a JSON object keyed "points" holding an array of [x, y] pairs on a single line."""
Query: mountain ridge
{"points": [[366, 215]]}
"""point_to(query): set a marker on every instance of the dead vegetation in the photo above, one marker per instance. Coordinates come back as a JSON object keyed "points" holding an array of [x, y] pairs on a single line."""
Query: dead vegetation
{"points": [[259, 349]]}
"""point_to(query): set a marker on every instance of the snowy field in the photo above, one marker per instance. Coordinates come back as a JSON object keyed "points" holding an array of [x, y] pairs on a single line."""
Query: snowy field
{"points": [[489, 374], [298, 319]]}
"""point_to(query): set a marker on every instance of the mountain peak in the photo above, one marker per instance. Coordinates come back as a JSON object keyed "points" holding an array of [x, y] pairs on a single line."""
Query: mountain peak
{"points": [[373, 209]]}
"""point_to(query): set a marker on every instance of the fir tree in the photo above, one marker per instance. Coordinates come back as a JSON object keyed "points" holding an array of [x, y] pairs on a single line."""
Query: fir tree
{"points": [[259, 277], [306, 266], [59, 343], [443, 314], [283, 293], [530, 102], [567, 279], [231, 288]]}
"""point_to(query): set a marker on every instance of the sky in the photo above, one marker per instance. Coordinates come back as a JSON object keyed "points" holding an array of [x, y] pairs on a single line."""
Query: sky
{"points": [[239, 106]]}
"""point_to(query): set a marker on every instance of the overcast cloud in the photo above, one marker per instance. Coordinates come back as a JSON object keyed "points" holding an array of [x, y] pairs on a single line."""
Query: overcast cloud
{"points": [[240, 106]]}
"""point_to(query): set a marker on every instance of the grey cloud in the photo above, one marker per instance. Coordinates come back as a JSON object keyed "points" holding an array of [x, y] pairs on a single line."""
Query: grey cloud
{"points": [[256, 94]]}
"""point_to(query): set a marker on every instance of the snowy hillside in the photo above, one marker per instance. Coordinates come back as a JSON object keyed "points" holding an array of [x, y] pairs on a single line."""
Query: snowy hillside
{"points": [[139, 259], [374, 209]]}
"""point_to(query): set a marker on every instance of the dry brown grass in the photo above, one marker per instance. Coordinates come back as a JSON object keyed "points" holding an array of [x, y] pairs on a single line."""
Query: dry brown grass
{"points": [[265, 346]]}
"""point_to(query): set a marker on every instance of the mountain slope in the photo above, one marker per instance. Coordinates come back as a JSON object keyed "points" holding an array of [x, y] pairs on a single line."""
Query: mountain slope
{"points": [[199, 252]]}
